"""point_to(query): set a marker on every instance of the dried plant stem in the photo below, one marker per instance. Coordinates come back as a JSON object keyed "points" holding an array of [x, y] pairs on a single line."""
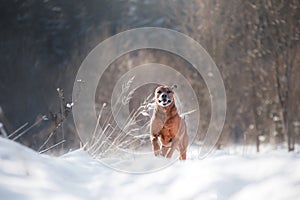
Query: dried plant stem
{"points": [[20, 128], [98, 121], [26, 130], [101, 145], [47, 140], [53, 146]]}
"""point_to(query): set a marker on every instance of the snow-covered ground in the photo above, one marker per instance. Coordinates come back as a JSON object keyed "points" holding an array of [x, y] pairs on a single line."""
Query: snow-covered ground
{"points": [[25, 174]]}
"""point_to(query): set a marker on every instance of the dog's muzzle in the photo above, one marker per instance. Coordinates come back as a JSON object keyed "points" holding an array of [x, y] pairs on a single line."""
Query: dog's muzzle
{"points": [[164, 100]]}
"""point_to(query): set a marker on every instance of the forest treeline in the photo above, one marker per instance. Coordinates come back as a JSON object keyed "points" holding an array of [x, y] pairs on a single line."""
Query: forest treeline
{"points": [[255, 44]]}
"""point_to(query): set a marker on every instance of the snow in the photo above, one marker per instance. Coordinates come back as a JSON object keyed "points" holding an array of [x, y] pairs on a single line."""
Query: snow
{"points": [[25, 174]]}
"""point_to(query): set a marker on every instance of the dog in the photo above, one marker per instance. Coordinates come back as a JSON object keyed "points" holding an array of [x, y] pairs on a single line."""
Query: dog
{"points": [[166, 126]]}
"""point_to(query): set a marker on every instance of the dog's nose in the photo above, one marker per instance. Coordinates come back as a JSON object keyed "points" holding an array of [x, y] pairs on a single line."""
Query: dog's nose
{"points": [[164, 96]]}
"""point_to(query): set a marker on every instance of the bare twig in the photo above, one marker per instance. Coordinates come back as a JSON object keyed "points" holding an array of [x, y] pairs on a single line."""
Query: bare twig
{"points": [[20, 128], [2, 130], [53, 146], [98, 121], [47, 140], [28, 129], [62, 112], [100, 145]]}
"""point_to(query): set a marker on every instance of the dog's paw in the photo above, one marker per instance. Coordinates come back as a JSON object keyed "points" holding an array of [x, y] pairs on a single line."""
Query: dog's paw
{"points": [[157, 153]]}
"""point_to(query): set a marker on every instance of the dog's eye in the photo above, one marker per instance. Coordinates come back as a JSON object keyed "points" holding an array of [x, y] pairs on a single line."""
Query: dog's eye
{"points": [[159, 92], [169, 91]]}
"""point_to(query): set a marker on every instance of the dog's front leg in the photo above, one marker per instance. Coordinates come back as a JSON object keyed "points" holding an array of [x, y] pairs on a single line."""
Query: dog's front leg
{"points": [[164, 150], [172, 148], [155, 145], [156, 126]]}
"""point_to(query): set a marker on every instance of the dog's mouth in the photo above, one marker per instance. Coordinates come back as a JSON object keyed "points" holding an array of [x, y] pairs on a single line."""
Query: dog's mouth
{"points": [[164, 102]]}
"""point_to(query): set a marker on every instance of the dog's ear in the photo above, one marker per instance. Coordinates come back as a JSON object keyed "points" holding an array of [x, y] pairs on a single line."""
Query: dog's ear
{"points": [[173, 86]]}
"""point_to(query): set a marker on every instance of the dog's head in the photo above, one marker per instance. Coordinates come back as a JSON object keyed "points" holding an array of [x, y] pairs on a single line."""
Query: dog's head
{"points": [[164, 96]]}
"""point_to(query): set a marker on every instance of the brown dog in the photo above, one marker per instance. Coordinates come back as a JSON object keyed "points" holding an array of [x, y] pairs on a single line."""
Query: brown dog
{"points": [[167, 126]]}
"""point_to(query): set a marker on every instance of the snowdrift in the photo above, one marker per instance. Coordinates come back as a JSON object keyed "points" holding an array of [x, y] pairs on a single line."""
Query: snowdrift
{"points": [[25, 174]]}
